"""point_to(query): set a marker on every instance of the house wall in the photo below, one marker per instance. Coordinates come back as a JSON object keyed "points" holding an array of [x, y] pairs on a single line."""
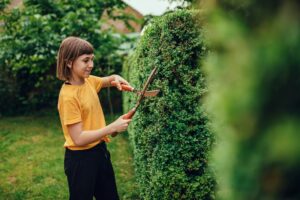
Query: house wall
{"points": [[119, 25]]}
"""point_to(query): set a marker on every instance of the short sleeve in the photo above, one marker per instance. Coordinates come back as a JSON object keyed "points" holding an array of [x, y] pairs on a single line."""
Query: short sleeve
{"points": [[96, 81], [70, 111]]}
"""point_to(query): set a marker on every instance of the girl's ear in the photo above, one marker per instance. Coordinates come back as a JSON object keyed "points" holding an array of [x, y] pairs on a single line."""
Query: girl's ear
{"points": [[69, 64]]}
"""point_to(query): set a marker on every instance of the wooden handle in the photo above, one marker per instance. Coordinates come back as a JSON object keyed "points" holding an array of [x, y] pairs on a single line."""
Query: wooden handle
{"points": [[128, 115], [124, 87]]}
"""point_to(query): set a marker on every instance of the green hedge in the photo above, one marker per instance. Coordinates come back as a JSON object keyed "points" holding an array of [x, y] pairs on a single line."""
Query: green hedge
{"points": [[169, 133], [254, 98]]}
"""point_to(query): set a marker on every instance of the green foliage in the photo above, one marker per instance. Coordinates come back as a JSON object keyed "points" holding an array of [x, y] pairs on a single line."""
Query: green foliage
{"points": [[30, 39], [254, 97], [170, 134], [3, 4], [126, 71]]}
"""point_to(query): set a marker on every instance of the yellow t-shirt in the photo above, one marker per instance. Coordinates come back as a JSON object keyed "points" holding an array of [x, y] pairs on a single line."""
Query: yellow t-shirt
{"points": [[80, 103]]}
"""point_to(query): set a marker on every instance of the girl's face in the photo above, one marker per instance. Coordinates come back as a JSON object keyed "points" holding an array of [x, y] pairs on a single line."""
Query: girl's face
{"points": [[82, 66]]}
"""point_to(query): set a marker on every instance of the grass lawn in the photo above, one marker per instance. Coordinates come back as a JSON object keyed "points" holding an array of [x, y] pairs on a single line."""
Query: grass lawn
{"points": [[31, 159]]}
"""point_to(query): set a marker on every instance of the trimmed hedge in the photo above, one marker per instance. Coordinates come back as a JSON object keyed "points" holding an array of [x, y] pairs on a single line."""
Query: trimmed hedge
{"points": [[254, 98], [169, 133]]}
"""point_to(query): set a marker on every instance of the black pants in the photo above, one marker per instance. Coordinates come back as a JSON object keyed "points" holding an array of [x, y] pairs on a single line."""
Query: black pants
{"points": [[90, 174]]}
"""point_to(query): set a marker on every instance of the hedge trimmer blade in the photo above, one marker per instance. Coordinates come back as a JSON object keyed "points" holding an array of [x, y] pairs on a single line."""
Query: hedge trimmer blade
{"points": [[127, 88], [131, 113]]}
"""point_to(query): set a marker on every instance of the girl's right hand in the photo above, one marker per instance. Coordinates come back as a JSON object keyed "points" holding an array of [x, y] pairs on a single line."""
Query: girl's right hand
{"points": [[120, 124]]}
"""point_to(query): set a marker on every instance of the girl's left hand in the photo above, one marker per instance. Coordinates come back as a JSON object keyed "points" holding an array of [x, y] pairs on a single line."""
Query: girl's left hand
{"points": [[119, 80]]}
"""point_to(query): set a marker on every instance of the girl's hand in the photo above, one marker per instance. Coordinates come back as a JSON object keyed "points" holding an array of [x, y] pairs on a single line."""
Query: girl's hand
{"points": [[120, 124], [119, 80]]}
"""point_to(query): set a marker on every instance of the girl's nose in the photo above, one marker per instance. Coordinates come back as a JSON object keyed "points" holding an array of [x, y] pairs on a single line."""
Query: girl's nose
{"points": [[91, 64]]}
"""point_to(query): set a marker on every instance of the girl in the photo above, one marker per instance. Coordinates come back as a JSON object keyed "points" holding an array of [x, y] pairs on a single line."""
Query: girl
{"points": [[87, 162]]}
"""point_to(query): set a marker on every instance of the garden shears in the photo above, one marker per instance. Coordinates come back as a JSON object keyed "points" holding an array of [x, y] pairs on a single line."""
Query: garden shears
{"points": [[131, 113], [149, 93]]}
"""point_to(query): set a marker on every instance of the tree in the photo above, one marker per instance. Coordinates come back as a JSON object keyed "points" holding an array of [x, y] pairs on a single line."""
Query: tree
{"points": [[30, 38]]}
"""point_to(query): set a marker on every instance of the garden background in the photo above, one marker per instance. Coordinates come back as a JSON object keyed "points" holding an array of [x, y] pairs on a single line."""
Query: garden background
{"points": [[225, 124]]}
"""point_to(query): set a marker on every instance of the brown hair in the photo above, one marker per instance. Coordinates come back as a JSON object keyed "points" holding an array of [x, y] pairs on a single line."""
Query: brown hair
{"points": [[70, 49]]}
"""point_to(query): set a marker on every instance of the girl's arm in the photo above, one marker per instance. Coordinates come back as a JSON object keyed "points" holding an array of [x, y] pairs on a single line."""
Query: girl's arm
{"points": [[106, 81], [82, 138]]}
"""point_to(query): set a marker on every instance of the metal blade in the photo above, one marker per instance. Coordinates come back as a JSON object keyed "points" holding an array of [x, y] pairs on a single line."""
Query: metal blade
{"points": [[150, 93], [149, 80]]}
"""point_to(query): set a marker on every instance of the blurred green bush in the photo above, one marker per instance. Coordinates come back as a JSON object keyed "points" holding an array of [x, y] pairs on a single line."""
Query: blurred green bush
{"points": [[254, 98], [169, 133]]}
